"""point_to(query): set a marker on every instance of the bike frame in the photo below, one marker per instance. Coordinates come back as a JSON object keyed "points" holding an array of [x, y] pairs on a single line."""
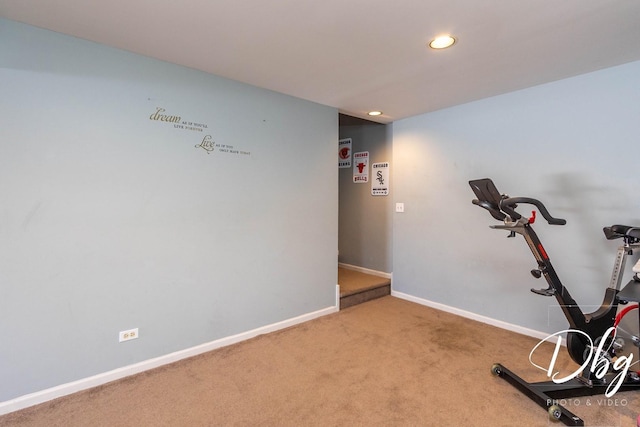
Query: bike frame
{"points": [[595, 325]]}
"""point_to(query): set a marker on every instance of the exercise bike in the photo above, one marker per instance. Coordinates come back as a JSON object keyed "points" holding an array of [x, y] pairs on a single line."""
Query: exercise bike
{"points": [[596, 334]]}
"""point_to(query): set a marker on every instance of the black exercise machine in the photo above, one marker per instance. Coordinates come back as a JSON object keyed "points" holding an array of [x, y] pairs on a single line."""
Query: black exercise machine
{"points": [[589, 329]]}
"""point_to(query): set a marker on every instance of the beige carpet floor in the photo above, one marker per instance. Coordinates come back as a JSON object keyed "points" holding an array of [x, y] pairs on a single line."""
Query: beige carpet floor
{"points": [[387, 362]]}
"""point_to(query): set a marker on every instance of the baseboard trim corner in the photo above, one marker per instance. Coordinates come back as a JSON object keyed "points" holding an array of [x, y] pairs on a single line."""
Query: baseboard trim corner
{"points": [[62, 390], [473, 316]]}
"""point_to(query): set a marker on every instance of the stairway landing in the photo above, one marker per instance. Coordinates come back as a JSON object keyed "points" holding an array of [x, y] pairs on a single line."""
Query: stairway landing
{"points": [[357, 287]]}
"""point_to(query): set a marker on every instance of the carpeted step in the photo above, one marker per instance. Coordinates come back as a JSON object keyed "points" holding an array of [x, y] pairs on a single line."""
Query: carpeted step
{"points": [[357, 287], [364, 295]]}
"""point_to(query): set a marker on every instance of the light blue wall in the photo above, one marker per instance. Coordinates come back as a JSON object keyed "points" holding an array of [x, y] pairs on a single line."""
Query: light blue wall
{"points": [[110, 220], [574, 144]]}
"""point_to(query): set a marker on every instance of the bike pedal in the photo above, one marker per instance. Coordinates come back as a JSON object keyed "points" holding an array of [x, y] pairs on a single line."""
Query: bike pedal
{"points": [[633, 377]]}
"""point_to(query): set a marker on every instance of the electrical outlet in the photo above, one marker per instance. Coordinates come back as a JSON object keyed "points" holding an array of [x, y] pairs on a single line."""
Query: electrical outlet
{"points": [[130, 334]]}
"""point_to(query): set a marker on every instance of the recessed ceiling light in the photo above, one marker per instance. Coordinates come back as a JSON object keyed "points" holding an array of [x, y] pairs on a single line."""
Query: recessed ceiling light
{"points": [[375, 113], [442, 42]]}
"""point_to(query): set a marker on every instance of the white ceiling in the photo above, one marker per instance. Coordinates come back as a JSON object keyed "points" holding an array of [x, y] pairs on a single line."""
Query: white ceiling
{"points": [[359, 55]]}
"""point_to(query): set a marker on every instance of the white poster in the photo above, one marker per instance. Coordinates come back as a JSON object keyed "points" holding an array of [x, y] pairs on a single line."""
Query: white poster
{"points": [[380, 179], [361, 167], [344, 153]]}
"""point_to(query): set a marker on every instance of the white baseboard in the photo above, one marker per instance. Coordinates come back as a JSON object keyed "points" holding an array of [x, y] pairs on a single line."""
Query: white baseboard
{"points": [[473, 316], [100, 379], [365, 270]]}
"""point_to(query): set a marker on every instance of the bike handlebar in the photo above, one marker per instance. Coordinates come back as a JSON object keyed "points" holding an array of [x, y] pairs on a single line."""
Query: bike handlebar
{"points": [[510, 204], [500, 206]]}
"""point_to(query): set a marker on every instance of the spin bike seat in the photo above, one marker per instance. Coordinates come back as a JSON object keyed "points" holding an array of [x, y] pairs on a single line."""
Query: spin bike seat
{"points": [[619, 231]]}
